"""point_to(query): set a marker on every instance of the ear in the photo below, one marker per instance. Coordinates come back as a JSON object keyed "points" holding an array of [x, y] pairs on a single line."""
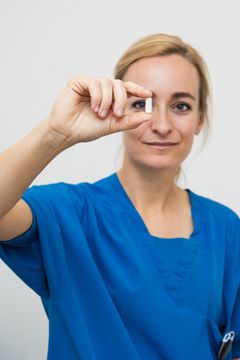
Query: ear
{"points": [[200, 123]]}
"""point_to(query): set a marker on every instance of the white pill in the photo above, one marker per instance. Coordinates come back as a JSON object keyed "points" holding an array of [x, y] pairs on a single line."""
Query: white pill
{"points": [[148, 105]]}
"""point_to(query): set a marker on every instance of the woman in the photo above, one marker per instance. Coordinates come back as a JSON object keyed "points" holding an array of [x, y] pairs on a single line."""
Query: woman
{"points": [[131, 266]]}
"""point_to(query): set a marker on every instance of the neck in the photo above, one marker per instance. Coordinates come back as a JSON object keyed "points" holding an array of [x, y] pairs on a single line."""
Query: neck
{"points": [[150, 190]]}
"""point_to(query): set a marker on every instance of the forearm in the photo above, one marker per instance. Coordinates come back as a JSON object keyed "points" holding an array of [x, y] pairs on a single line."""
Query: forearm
{"points": [[21, 163]]}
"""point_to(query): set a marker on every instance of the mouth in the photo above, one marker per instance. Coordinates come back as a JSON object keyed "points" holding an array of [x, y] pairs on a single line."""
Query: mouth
{"points": [[161, 145]]}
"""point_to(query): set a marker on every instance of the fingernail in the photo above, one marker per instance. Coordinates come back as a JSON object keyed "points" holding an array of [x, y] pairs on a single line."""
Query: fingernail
{"points": [[103, 113]]}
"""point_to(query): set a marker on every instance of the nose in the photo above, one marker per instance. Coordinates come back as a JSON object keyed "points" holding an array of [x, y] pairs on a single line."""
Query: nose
{"points": [[161, 121]]}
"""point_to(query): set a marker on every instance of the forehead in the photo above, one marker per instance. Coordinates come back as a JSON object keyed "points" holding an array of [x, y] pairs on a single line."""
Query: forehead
{"points": [[164, 74]]}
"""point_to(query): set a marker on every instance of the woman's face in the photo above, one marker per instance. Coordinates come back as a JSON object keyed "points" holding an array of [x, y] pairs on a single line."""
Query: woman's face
{"points": [[175, 117]]}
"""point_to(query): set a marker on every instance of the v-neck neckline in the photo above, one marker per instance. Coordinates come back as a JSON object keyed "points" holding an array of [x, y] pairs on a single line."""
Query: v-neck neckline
{"points": [[141, 224], [172, 279]]}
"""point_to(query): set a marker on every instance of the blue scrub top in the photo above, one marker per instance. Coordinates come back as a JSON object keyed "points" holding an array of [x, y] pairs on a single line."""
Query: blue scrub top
{"points": [[111, 290]]}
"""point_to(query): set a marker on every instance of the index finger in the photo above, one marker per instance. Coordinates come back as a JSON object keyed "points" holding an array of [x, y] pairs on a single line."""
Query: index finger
{"points": [[134, 89]]}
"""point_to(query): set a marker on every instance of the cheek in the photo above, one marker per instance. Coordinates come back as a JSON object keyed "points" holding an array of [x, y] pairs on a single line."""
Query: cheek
{"points": [[134, 135], [186, 129]]}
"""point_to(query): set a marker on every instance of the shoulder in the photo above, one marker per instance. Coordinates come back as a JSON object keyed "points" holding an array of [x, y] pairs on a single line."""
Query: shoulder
{"points": [[65, 192], [58, 192], [49, 190], [221, 212], [224, 221]]}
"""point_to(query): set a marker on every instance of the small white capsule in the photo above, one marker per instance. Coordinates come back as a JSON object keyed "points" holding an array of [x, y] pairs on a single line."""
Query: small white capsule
{"points": [[148, 105]]}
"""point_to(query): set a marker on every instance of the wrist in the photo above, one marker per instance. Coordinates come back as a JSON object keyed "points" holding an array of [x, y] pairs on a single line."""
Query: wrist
{"points": [[52, 138], [44, 140]]}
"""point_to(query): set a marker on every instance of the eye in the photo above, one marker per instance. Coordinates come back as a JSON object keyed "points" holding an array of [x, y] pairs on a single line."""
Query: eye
{"points": [[139, 105], [180, 106]]}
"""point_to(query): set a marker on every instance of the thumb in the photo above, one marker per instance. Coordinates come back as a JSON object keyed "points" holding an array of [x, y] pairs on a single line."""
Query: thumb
{"points": [[133, 120]]}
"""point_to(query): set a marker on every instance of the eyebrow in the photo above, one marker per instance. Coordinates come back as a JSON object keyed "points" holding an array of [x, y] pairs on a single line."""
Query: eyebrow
{"points": [[175, 95], [179, 94]]}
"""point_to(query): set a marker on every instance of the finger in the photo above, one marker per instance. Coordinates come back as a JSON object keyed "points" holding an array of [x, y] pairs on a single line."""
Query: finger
{"points": [[120, 97], [95, 93], [85, 86], [107, 95], [137, 90]]}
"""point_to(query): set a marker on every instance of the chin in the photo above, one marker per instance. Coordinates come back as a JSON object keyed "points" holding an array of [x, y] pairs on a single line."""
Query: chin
{"points": [[158, 165]]}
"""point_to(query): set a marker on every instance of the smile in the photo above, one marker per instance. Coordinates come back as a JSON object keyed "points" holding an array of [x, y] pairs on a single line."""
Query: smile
{"points": [[162, 147]]}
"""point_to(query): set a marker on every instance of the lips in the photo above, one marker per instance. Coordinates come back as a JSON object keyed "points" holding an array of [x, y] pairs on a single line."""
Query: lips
{"points": [[162, 144]]}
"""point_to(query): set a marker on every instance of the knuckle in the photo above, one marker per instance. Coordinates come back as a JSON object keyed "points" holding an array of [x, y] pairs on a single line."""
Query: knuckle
{"points": [[129, 85], [93, 83], [118, 85], [129, 82], [118, 81], [106, 81]]}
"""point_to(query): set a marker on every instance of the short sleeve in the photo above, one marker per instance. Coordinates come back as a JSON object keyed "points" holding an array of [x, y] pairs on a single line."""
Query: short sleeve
{"points": [[22, 254], [235, 267], [43, 256]]}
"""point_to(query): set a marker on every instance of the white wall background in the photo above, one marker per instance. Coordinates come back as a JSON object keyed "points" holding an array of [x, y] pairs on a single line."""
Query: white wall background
{"points": [[44, 43]]}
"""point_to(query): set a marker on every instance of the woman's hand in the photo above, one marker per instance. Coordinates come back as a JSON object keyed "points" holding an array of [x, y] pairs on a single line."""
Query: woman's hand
{"points": [[76, 113]]}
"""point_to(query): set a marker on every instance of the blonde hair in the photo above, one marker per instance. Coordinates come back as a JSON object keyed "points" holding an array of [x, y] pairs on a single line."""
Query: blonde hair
{"points": [[161, 44]]}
